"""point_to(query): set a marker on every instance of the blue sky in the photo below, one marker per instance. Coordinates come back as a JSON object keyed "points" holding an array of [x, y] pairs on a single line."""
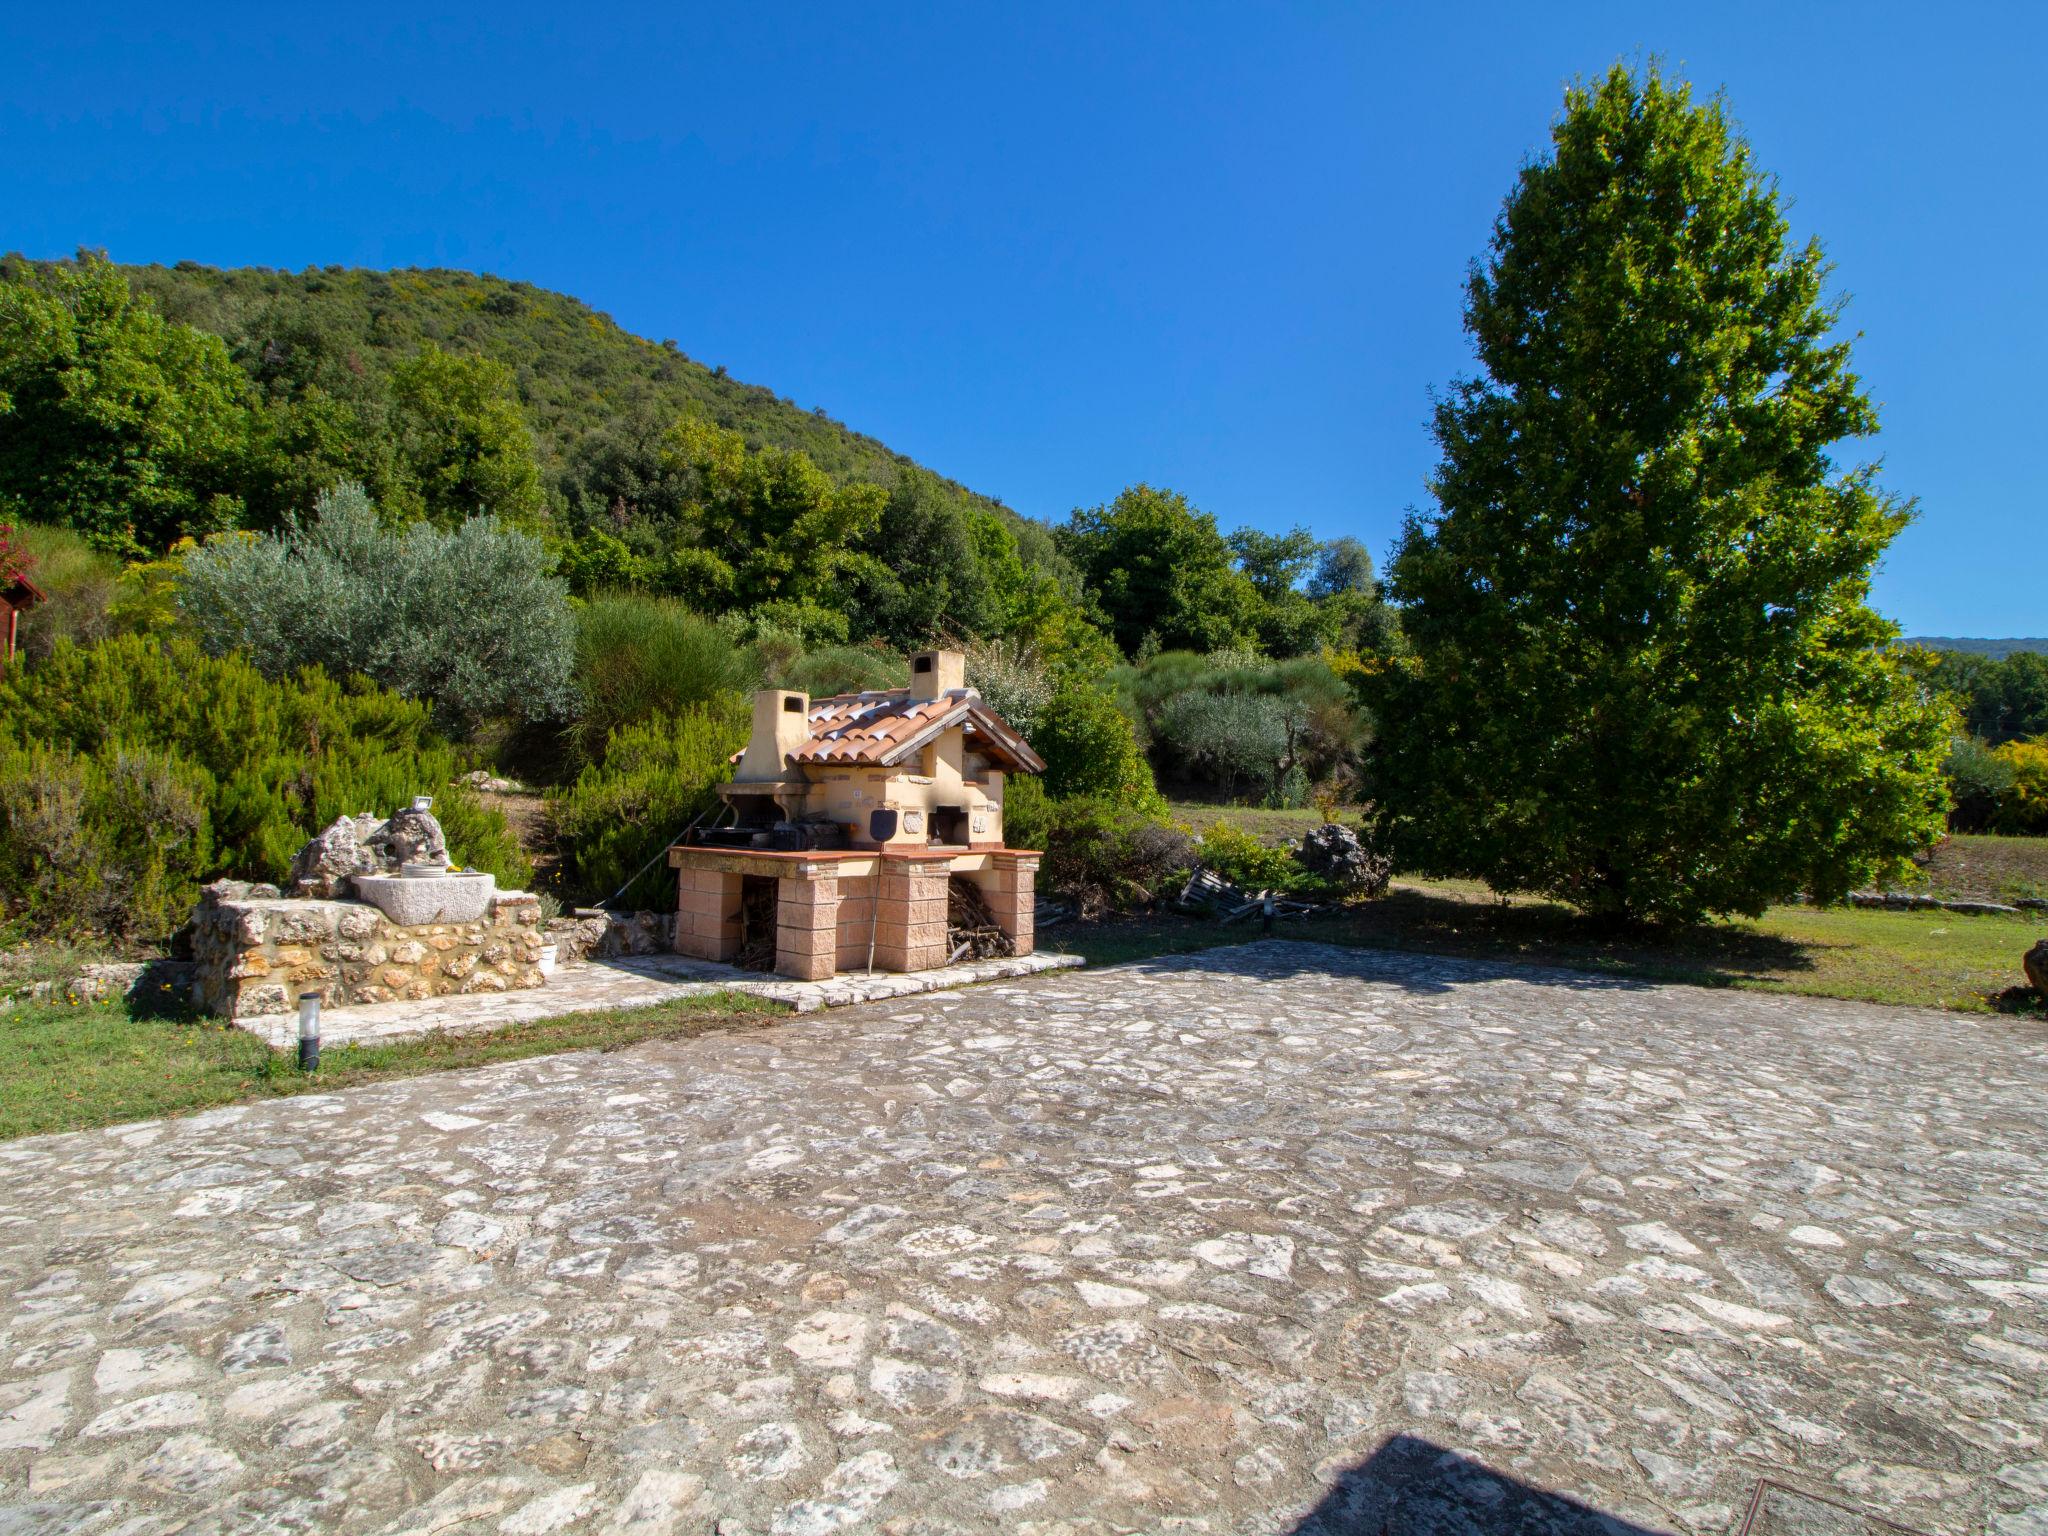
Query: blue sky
{"points": [[1054, 250]]}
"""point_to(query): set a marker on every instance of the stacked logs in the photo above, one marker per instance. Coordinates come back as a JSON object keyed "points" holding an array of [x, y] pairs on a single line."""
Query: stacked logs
{"points": [[972, 932], [757, 925]]}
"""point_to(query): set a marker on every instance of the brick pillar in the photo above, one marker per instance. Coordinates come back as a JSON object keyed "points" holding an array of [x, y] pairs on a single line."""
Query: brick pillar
{"points": [[807, 926], [912, 934], [707, 913], [1011, 890]]}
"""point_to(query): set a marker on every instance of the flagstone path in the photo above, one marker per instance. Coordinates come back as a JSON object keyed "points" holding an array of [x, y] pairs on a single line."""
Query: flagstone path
{"points": [[1279, 1238]]}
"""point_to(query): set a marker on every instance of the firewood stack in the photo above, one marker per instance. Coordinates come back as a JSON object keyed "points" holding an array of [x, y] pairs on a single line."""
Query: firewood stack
{"points": [[972, 932], [757, 926]]}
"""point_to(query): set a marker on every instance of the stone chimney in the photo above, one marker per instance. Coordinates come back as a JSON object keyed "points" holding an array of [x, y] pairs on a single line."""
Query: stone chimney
{"points": [[935, 673], [782, 724]]}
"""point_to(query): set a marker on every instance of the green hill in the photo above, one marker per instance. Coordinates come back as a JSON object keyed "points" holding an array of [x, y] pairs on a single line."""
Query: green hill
{"points": [[579, 374]]}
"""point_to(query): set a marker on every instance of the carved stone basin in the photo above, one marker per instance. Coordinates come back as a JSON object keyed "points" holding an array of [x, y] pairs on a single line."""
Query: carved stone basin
{"points": [[411, 900]]}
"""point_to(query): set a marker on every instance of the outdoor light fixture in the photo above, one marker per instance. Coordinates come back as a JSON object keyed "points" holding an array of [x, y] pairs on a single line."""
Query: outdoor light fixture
{"points": [[309, 1031]]}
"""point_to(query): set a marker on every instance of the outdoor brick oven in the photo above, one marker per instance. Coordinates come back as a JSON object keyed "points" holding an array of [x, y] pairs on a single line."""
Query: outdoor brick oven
{"points": [[857, 823]]}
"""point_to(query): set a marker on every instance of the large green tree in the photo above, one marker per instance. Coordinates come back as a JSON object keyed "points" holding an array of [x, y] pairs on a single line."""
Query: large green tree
{"points": [[1159, 569], [464, 447], [771, 526], [114, 421], [1646, 677]]}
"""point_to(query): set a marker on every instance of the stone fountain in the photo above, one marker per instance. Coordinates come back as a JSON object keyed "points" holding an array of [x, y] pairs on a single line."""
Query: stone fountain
{"points": [[417, 886], [372, 913]]}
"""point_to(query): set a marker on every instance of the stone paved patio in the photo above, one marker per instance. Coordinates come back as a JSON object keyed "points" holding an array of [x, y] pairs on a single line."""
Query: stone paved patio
{"points": [[1278, 1238], [599, 986]]}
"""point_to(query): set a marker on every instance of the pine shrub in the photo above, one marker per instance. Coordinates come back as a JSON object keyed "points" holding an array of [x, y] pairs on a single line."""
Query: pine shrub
{"points": [[655, 777], [133, 771]]}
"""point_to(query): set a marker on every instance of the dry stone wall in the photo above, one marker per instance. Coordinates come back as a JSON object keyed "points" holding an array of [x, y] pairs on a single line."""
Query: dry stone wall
{"points": [[255, 954]]}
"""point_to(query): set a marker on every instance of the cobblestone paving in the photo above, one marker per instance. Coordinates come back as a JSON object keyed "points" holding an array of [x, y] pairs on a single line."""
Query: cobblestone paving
{"points": [[1205, 1245]]}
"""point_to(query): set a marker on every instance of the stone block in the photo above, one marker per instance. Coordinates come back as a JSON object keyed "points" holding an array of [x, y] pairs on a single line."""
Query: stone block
{"points": [[804, 967], [805, 941]]}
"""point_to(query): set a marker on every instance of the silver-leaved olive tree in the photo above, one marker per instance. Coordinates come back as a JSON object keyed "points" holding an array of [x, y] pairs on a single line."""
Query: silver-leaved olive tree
{"points": [[1645, 675]]}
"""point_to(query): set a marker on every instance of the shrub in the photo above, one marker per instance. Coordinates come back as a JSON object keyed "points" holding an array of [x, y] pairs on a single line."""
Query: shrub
{"points": [[1104, 852], [638, 657], [1240, 857], [469, 620], [2023, 805], [1013, 678], [845, 669], [115, 843], [1241, 723], [1979, 781], [80, 582], [656, 775], [1090, 749], [1027, 811], [1232, 740], [134, 771]]}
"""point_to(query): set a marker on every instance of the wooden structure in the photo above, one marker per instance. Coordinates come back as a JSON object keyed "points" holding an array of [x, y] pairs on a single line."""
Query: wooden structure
{"points": [[850, 817], [17, 597]]}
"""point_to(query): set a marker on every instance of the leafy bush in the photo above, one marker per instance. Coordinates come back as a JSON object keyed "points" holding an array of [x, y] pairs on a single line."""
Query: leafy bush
{"points": [[2023, 805], [1979, 780], [846, 669], [1090, 749], [656, 775], [1103, 852], [114, 843], [134, 771], [1027, 811], [1240, 857], [1244, 860], [638, 657], [1013, 678], [469, 620]]}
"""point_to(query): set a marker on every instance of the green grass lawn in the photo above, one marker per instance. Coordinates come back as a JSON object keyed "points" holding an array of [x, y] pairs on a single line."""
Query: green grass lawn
{"points": [[1274, 826], [66, 1066]]}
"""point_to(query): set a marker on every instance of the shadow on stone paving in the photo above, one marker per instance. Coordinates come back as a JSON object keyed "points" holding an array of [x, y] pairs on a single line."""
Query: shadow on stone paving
{"points": [[1278, 957], [1410, 1487]]}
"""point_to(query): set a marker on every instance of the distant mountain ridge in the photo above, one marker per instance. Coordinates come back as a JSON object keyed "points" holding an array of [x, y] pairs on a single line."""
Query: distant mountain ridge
{"points": [[1997, 650]]}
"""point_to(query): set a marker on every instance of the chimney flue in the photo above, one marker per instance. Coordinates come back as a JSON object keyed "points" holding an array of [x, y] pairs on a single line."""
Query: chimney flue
{"points": [[936, 673], [782, 724]]}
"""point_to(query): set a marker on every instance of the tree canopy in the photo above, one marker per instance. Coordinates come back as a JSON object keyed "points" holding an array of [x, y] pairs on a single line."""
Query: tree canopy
{"points": [[1159, 570], [114, 421], [1645, 676]]}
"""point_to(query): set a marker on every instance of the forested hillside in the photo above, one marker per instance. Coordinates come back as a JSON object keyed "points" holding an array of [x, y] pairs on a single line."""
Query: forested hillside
{"points": [[584, 384]]}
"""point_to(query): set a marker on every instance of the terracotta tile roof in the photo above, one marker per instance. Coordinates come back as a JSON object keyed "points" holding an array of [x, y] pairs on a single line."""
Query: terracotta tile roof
{"points": [[884, 727]]}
